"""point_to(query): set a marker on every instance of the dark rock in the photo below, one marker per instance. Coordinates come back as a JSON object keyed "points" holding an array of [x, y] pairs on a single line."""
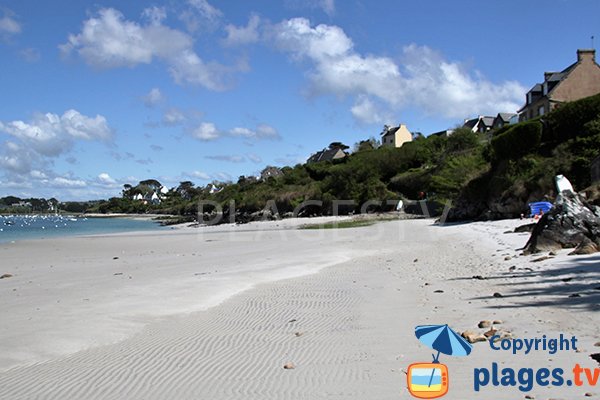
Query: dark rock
{"points": [[438, 291], [478, 277], [484, 324], [585, 247], [6, 276], [498, 294], [568, 224], [543, 258]]}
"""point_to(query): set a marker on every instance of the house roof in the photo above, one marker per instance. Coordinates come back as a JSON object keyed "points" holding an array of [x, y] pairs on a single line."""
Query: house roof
{"points": [[505, 117], [471, 123], [536, 88], [488, 121], [324, 155], [390, 131]]}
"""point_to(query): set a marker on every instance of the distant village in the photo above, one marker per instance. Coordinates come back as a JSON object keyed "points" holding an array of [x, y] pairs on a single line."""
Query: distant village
{"points": [[579, 80]]}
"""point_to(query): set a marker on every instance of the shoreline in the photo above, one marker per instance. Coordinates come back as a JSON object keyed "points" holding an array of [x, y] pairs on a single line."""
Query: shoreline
{"points": [[355, 318]]}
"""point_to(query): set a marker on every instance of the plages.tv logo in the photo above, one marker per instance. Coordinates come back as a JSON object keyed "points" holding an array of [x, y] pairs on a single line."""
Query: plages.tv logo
{"points": [[430, 380]]}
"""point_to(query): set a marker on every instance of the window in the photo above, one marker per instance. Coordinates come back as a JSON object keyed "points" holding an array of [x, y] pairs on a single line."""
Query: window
{"points": [[541, 110]]}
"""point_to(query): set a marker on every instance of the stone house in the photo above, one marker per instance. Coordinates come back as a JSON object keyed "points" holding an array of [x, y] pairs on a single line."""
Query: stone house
{"points": [[580, 79]]}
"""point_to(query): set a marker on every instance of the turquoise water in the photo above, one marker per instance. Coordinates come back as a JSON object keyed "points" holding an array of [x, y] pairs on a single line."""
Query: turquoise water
{"points": [[21, 227]]}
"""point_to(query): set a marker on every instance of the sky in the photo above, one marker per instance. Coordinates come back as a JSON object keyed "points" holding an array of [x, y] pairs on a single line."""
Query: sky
{"points": [[97, 94]]}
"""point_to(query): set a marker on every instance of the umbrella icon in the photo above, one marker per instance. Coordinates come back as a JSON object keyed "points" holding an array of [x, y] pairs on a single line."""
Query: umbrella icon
{"points": [[443, 339]]}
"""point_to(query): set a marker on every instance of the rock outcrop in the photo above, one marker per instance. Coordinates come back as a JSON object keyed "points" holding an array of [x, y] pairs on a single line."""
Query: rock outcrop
{"points": [[571, 223]]}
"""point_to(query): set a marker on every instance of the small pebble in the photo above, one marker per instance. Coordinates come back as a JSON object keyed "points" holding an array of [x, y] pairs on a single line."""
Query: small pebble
{"points": [[289, 366], [484, 324]]}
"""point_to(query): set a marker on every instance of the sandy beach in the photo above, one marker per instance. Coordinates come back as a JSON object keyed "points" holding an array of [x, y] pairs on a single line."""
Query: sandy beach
{"points": [[216, 312]]}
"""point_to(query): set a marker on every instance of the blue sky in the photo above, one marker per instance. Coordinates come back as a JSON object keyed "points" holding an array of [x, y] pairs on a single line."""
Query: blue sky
{"points": [[101, 93]]}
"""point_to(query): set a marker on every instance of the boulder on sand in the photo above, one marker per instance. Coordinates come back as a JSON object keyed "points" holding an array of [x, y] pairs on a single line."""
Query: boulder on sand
{"points": [[571, 223]]}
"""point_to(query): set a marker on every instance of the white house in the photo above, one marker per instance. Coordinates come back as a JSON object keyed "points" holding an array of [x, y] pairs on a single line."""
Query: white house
{"points": [[395, 136]]}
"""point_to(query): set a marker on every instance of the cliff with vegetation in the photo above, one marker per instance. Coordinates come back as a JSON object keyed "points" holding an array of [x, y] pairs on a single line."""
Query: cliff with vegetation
{"points": [[483, 176]]}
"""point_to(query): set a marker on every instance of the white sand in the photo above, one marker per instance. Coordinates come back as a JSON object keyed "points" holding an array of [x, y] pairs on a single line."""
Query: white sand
{"points": [[72, 329]]}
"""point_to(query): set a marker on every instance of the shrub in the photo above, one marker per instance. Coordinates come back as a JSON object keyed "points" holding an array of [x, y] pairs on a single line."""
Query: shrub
{"points": [[517, 141], [568, 120]]}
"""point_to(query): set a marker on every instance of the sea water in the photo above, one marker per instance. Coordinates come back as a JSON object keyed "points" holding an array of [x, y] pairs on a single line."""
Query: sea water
{"points": [[21, 227]]}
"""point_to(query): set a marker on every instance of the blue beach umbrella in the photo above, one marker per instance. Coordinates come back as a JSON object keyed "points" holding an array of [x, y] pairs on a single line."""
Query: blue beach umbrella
{"points": [[443, 339]]}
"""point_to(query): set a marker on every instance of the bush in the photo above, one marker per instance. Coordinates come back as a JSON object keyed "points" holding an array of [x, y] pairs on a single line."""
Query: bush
{"points": [[462, 139], [568, 120], [517, 141]]}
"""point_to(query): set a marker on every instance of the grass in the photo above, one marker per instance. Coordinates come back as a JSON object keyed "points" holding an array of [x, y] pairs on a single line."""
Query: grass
{"points": [[353, 223], [338, 224]]}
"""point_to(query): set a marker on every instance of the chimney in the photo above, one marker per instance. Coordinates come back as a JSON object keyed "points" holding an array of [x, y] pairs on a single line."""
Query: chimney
{"points": [[586, 54]]}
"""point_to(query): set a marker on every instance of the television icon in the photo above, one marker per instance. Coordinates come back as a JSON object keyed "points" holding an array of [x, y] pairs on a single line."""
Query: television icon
{"points": [[427, 380]]}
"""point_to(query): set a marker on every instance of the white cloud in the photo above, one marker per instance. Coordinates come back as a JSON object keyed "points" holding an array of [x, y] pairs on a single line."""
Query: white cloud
{"points": [[110, 41], [173, 116], [35, 174], [243, 35], [328, 6], [231, 158], [200, 175], [200, 15], [262, 131], [255, 158], [8, 25], [422, 77], [222, 176], [440, 86], [62, 182], [106, 179], [17, 158], [30, 55], [365, 110], [155, 15], [153, 97], [207, 131], [50, 134]]}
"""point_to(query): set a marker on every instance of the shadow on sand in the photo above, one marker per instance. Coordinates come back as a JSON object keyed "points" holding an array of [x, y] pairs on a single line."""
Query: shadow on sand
{"points": [[572, 284]]}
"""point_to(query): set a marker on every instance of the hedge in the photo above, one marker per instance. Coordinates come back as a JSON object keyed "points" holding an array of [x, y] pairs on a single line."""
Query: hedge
{"points": [[568, 120], [517, 141]]}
